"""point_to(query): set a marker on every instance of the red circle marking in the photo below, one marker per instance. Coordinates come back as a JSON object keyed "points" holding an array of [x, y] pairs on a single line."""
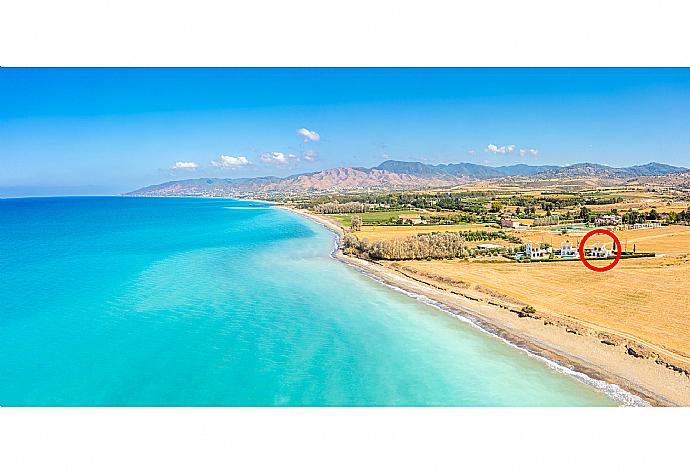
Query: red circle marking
{"points": [[581, 250]]}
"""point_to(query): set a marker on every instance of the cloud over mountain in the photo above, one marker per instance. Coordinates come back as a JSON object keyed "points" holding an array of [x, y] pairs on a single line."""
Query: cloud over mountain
{"points": [[230, 162]]}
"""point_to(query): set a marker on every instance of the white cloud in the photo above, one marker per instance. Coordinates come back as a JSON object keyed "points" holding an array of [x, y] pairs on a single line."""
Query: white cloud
{"points": [[310, 155], [529, 152], [230, 162], [278, 158], [472, 152], [309, 135], [494, 149], [182, 165]]}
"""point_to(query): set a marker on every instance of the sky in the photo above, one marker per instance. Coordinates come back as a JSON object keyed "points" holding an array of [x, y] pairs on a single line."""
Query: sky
{"points": [[102, 131]]}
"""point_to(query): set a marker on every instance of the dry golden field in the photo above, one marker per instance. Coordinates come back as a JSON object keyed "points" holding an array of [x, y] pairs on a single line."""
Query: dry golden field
{"points": [[644, 298]]}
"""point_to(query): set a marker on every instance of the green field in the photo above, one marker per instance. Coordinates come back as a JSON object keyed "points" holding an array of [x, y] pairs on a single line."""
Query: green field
{"points": [[372, 218]]}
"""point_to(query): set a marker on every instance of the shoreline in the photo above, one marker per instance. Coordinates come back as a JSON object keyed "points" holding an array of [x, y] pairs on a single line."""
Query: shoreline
{"points": [[627, 378]]}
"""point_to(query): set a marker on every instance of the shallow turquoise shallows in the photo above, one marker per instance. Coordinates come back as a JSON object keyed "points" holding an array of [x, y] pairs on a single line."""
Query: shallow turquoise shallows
{"points": [[144, 301]]}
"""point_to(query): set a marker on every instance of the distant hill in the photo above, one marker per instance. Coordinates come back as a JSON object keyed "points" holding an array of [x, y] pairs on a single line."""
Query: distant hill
{"points": [[598, 170], [393, 175], [677, 180], [340, 179], [465, 169], [206, 186]]}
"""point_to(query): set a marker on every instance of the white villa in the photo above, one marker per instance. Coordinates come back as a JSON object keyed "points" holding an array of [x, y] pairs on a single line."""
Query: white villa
{"points": [[567, 250], [599, 250], [535, 251]]}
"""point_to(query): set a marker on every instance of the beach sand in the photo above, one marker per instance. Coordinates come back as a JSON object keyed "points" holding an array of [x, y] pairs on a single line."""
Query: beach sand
{"points": [[637, 368]]}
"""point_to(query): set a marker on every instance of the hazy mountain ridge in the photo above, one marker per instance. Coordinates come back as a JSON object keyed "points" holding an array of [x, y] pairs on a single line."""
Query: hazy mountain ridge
{"points": [[466, 169], [393, 175], [588, 169]]}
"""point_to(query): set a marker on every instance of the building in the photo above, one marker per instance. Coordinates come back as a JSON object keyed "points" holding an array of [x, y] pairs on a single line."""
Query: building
{"points": [[608, 220], [643, 226], [599, 250], [410, 218], [510, 223], [535, 251], [489, 246], [567, 250]]}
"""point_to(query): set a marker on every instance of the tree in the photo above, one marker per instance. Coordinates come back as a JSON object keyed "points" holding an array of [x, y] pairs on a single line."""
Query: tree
{"points": [[585, 213], [496, 207], [356, 223], [653, 215]]}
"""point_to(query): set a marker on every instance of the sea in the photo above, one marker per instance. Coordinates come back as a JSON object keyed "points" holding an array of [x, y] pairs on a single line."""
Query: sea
{"points": [[125, 301]]}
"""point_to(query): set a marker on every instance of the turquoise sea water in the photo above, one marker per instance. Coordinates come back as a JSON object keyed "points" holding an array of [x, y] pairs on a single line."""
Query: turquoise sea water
{"points": [[134, 301]]}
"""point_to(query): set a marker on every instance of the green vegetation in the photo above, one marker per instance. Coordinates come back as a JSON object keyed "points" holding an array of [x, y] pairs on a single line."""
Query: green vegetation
{"points": [[372, 218], [487, 206]]}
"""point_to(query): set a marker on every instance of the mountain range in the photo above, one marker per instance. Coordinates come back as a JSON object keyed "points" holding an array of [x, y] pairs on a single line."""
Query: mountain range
{"points": [[393, 175]]}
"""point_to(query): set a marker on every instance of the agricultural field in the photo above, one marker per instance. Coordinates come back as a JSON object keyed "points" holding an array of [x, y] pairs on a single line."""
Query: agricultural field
{"points": [[371, 217], [644, 298]]}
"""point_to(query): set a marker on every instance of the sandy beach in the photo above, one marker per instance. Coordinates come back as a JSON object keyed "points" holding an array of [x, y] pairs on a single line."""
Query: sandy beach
{"points": [[627, 363]]}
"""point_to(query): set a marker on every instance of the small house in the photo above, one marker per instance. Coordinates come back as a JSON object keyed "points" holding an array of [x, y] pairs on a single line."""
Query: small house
{"points": [[535, 251], [599, 250], [567, 250]]}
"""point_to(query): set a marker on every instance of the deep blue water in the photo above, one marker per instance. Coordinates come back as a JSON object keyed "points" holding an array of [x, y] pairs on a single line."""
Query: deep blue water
{"points": [[145, 301]]}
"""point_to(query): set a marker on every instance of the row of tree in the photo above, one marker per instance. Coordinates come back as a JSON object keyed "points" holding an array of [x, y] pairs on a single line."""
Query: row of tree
{"points": [[335, 207], [421, 246]]}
